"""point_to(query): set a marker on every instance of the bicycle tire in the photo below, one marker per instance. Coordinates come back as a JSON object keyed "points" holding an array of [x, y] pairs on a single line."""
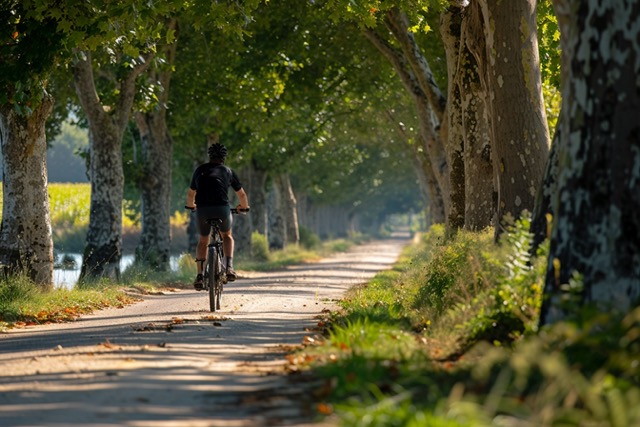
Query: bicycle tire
{"points": [[212, 277], [218, 279]]}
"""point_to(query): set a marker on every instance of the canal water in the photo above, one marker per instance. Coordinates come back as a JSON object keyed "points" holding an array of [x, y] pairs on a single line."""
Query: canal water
{"points": [[67, 277]]}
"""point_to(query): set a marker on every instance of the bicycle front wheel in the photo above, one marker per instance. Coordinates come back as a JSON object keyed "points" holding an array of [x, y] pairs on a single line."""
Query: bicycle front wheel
{"points": [[212, 278]]}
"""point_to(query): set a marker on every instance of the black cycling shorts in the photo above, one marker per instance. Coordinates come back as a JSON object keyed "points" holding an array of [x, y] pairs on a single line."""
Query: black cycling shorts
{"points": [[207, 212]]}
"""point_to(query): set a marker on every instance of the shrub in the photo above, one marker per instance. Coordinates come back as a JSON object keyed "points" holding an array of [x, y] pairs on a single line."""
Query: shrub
{"points": [[14, 289], [512, 305], [259, 247], [308, 239], [186, 267], [454, 274]]}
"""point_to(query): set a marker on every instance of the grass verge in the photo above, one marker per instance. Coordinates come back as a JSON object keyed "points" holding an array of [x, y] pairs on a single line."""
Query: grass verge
{"points": [[291, 255], [449, 338], [22, 303]]}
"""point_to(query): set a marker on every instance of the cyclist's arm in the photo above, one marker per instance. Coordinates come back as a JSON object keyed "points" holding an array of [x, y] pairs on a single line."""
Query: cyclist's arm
{"points": [[244, 200], [191, 197]]}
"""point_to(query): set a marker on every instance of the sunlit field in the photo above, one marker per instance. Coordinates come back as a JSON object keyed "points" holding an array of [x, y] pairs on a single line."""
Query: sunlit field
{"points": [[69, 205]]}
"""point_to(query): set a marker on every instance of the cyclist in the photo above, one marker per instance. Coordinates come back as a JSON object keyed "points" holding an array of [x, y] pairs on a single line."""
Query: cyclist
{"points": [[208, 195]]}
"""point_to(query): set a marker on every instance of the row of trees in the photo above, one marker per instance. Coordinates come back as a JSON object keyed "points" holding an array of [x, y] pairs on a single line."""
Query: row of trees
{"points": [[123, 65], [282, 81]]}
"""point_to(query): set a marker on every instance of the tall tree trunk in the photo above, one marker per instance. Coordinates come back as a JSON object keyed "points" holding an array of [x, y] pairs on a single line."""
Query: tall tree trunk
{"points": [[257, 197], [306, 218], [25, 234], [480, 183], [434, 150], [520, 135], [103, 249], [433, 202], [432, 104], [154, 248], [450, 30], [277, 230], [596, 226], [435, 209], [289, 209], [543, 210], [243, 224]]}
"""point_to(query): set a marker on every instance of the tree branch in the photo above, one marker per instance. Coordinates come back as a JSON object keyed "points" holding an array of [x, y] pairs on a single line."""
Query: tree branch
{"points": [[128, 89], [398, 23]]}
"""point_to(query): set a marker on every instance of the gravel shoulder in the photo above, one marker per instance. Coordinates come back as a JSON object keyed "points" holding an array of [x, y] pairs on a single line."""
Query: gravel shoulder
{"points": [[168, 361]]}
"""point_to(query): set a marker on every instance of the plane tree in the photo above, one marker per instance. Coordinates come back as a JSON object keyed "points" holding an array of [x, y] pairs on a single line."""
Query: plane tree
{"points": [[40, 37], [114, 75], [595, 238], [491, 48], [152, 177]]}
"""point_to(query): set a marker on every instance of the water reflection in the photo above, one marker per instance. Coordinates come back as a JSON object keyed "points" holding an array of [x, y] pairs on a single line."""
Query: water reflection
{"points": [[67, 277]]}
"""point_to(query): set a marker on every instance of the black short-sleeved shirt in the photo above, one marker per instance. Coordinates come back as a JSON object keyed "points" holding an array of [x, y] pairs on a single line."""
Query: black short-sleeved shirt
{"points": [[211, 182]]}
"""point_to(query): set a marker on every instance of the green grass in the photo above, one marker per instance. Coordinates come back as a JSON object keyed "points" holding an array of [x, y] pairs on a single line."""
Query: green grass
{"points": [[291, 255], [449, 338], [22, 303]]}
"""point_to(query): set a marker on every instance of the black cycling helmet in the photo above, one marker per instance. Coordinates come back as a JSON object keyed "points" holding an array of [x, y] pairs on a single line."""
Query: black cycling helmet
{"points": [[217, 151]]}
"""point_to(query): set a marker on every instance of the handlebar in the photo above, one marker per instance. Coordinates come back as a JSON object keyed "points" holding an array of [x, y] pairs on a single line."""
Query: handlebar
{"points": [[233, 210]]}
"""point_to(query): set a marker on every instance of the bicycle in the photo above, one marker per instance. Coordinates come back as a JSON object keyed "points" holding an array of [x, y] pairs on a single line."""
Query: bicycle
{"points": [[215, 275]]}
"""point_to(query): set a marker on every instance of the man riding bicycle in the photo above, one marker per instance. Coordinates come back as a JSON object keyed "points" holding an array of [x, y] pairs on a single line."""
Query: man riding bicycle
{"points": [[208, 192]]}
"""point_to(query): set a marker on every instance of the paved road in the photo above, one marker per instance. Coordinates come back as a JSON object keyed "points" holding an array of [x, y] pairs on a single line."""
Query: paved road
{"points": [[167, 361]]}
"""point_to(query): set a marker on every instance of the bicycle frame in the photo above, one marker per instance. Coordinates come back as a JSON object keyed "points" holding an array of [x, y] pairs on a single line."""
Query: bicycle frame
{"points": [[215, 274]]}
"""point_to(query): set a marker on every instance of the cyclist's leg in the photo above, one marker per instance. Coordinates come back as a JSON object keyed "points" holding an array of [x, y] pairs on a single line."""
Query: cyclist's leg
{"points": [[227, 242], [224, 213], [201, 248], [201, 253]]}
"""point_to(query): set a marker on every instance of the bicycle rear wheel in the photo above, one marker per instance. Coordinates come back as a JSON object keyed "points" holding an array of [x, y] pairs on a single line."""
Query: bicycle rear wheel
{"points": [[212, 257], [219, 279]]}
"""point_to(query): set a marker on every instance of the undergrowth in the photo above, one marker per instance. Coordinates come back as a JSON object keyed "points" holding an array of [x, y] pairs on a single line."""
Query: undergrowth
{"points": [[449, 337]]}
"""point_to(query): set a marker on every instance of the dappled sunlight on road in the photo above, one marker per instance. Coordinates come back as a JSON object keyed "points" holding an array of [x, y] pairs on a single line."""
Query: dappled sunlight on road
{"points": [[168, 361]]}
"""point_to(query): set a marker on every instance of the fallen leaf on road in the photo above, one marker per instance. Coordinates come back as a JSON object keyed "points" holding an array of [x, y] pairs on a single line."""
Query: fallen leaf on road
{"points": [[324, 408]]}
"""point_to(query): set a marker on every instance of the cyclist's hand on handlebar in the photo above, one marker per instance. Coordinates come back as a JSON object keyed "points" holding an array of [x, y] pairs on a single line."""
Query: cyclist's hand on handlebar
{"points": [[242, 210]]}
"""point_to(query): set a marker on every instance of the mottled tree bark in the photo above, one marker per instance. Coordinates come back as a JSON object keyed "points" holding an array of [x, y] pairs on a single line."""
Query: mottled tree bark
{"points": [[103, 249], [469, 141], [290, 209], [26, 244], [154, 248], [243, 224], [431, 103], [520, 136], [450, 30], [437, 166], [277, 230], [256, 189], [480, 182], [596, 226]]}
